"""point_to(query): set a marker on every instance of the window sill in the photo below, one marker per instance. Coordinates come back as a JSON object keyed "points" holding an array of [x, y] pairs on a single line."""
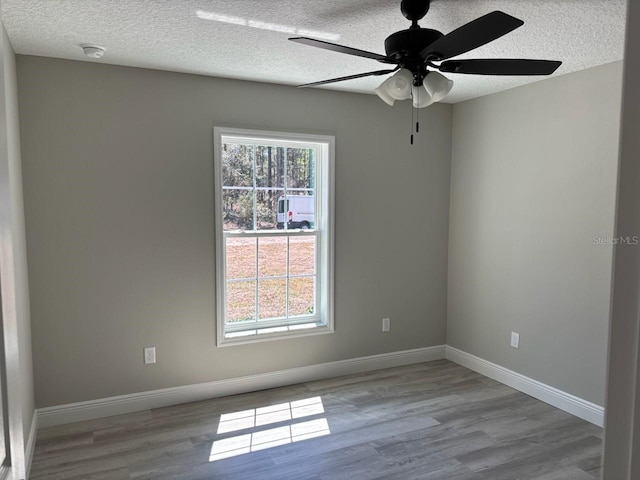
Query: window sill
{"points": [[267, 334]]}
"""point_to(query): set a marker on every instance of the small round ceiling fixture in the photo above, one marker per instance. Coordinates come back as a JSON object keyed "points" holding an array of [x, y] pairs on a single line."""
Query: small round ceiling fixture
{"points": [[92, 51]]}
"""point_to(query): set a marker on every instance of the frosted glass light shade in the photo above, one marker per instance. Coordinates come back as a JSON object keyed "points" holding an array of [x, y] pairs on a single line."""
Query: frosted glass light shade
{"points": [[400, 85], [437, 85], [421, 97], [382, 92], [397, 87]]}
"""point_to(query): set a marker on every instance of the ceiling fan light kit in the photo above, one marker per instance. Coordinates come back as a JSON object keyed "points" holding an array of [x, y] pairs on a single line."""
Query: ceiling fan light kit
{"points": [[402, 86]]}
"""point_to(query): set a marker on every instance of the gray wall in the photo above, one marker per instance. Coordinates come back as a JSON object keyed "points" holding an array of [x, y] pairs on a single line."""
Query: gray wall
{"points": [[119, 210], [622, 422], [14, 288], [533, 179]]}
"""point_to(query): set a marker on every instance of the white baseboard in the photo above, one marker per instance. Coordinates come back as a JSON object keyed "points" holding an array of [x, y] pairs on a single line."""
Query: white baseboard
{"points": [[135, 402], [564, 401], [31, 443]]}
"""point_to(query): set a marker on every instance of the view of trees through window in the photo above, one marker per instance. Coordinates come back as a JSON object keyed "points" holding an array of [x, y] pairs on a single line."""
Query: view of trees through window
{"points": [[256, 176], [268, 195]]}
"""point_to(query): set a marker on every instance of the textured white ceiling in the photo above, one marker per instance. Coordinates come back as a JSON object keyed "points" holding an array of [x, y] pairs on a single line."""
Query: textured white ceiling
{"points": [[247, 39]]}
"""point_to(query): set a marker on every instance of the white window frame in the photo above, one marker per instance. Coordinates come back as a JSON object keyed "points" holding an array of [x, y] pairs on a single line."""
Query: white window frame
{"points": [[322, 321]]}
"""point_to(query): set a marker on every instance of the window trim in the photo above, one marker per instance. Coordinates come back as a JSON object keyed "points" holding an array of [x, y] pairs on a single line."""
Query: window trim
{"points": [[325, 188]]}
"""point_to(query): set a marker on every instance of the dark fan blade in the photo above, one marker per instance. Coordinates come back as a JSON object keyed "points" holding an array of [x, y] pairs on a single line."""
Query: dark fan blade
{"points": [[334, 47], [472, 35], [501, 66], [350, 77]]}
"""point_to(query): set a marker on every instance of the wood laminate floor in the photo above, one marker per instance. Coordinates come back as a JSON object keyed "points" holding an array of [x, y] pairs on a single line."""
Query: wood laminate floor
{"points": [[433, 420]]}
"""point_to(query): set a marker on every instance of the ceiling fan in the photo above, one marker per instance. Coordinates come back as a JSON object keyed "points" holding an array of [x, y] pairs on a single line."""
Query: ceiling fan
{"points": [[419, 54]]}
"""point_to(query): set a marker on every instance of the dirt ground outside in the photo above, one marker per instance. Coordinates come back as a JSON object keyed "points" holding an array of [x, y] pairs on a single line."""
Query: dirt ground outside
{"points": [[258, 266]]}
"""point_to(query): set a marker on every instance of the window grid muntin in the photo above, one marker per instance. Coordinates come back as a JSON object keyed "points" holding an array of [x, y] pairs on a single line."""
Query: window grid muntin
{"points": [[253, 195], [286, 294], [273, 277]]}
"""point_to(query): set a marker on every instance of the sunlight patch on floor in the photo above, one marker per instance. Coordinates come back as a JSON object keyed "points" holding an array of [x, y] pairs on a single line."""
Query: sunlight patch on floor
{"points": [[256, 417], [272, 437]]}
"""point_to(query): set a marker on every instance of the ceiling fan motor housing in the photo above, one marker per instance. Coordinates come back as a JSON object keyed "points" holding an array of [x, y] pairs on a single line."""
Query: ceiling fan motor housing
{"points": [[409, 43], [405, 46]]}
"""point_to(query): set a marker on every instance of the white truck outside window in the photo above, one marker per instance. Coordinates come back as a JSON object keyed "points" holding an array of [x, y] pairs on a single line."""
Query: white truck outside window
{"points": [[297, 212]]}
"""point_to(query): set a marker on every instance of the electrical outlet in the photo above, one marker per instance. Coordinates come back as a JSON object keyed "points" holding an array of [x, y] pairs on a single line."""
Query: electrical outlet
{"points": [[515, 339], [386, 324], [149, 355]]}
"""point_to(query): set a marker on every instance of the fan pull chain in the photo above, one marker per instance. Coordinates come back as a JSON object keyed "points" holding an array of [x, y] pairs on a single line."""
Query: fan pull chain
{"points": [[412, 123], [418, 114]]}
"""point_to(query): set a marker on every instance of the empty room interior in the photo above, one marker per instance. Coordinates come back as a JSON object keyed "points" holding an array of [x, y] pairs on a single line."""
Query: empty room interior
{"points": [[320, 240]]}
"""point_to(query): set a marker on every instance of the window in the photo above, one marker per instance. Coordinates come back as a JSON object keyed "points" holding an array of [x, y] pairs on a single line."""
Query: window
{"points": [[274, 238]]}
